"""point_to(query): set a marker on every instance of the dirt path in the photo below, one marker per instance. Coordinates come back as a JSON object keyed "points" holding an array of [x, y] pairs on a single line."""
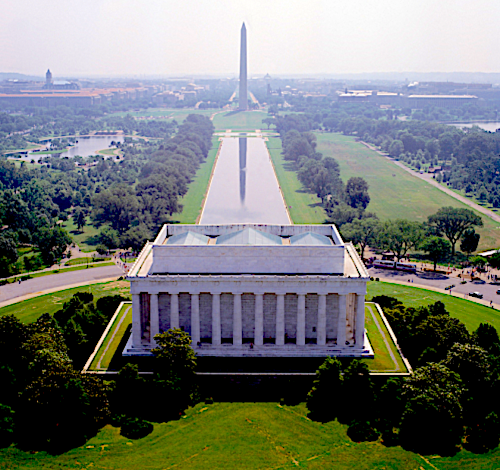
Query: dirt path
{"points": [[428, 179]]}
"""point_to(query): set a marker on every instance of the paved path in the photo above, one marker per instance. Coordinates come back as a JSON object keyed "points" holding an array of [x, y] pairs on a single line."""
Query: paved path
{"points": [[438, 282], [429, 179], [15, 292]]}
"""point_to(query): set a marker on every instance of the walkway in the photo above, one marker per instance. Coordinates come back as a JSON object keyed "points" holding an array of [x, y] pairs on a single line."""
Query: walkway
{"points": [[15, 292], [428, 178]]}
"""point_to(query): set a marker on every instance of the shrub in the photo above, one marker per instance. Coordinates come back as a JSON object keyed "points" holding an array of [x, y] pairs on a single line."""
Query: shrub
{"points": [[136, 428]]}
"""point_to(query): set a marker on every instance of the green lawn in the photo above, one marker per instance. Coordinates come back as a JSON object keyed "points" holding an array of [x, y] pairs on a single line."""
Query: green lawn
{"points": [[29, 310], [193, 199], [244, 120], [84, 239], [471, 313], [240, 436], [304, 207], [380, 341], [394, 192], [110, 345], [77, 261]]}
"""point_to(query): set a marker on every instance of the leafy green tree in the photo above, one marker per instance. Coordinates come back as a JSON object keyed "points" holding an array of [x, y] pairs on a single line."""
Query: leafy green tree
{"points": [[453, 222], [358, 392], [400, 236], [8, 251], [469, 241], [117, 206], [52, 243], [357, 193], [362, 232], [79, 219], [486, 337], [437, 248], [396, 148], [494, 260], [324, 397], [135, 237], [6, 425], [175, 368], [432, 420]]}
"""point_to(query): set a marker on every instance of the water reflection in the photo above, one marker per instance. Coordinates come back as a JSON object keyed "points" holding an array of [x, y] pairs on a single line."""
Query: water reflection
{"points": [[244, 188], [243, 167]]}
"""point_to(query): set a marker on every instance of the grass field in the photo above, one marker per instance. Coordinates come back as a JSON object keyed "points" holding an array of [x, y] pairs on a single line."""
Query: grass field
{"points": [[241, 436], [394, 192], [304, 207], [193, 199], [77, 261], [471, 313], [29, 310], [85, 238], [246, 120]]}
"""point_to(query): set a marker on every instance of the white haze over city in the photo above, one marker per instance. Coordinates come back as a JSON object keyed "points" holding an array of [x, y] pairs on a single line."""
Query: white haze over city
{"points": [[168, 38]]}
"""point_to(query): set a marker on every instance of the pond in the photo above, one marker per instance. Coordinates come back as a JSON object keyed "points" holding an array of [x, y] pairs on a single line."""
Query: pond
{"points": [[244, 187], [487, 126]]}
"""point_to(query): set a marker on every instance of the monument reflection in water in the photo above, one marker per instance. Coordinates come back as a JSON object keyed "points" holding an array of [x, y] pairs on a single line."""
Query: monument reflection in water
{"points": [[243, 167]]}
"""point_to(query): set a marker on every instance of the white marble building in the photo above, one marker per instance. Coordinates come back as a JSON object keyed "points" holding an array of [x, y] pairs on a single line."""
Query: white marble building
{"points": [[251, 290]]}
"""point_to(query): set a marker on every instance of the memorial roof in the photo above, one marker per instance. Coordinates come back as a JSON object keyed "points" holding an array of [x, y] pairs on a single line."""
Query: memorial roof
{"points": [[310, 238], [188, 238], [249, 236]]}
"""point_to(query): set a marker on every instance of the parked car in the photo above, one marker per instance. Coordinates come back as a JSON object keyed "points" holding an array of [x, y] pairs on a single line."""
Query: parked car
{"points": [[479, 281], [498, 291], [476, 294]]}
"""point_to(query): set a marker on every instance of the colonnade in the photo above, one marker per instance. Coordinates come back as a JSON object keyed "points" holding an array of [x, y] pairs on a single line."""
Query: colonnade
{"points": [[359, 320]]}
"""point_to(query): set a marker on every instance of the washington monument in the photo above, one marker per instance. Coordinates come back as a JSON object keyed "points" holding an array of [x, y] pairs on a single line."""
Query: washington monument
{"points": [[243, 100]]}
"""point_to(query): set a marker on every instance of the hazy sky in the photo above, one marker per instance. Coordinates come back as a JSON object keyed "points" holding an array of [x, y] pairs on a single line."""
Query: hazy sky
{"points": [[145, 37]]}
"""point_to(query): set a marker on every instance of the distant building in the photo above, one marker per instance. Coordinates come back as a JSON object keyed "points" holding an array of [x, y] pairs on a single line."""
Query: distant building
{"points": [[439, 101]]}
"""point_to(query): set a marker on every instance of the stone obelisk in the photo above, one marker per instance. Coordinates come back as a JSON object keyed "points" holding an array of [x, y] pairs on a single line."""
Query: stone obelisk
{"points": [[243, 100]]}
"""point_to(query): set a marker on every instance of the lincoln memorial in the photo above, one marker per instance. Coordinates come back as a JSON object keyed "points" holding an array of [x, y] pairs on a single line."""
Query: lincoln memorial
{"points": [[251, 290]]}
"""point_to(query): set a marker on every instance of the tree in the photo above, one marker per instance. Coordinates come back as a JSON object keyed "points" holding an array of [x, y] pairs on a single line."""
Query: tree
{"points": [[357, 193], [453, 222], [52, 243], [400, 236], [494, 260], [396, 148], [8, 251], [486, 337], [135, 237], [79, 219], [469, 242], [362, 232], [324, 397], [268, 121], [117, 205], [437, 248], [175, 368], [432, 419]]}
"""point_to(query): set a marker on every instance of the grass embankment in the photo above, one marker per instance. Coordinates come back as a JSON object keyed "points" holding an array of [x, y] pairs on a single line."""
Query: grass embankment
{"points": [[304, 207], [240, 120], [193, 199], [470, 313], [77, 261], [29, 310], [393, 191], [255, 436], [387, 358], [110, 345]]}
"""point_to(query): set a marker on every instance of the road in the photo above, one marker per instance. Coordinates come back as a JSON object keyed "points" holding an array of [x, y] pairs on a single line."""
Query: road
{"points": [[429, 179], [15, 292], [438, 282]]}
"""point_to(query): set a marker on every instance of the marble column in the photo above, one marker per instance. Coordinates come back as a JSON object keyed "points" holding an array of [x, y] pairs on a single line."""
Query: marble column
{"points": [[216, 332], [237, 325], [259, 319], [195, 319], [280, 319], [155, 320], [321, 335], [174, 310], [360, 321], [136, 320], [301, 320], [341, 325]]}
